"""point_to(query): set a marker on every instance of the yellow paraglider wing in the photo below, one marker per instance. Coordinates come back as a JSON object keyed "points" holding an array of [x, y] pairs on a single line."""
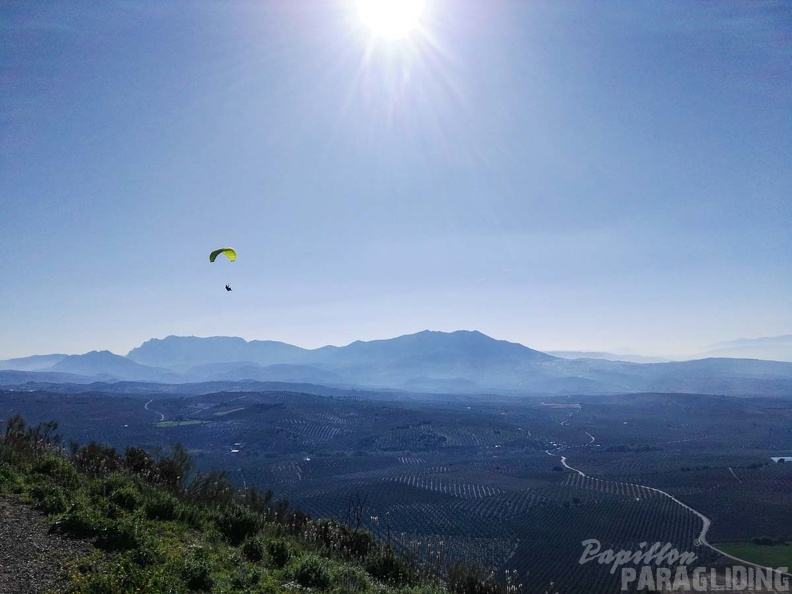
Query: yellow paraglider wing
{"points": [[227, 251]]}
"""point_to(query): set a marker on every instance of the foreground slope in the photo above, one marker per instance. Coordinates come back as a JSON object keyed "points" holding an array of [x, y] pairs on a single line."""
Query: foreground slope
{"points": [[140, 525]]}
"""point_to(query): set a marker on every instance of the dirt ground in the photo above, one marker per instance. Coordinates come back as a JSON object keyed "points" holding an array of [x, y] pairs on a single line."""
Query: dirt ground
{"points": [[31, 560]]}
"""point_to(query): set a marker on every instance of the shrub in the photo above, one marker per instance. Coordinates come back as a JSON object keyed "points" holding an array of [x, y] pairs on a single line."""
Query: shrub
{"points": [[123, 576], [337, 537], [97, 460], [279, 552], [237, 523], [148, 552], [464, 579], [118, 537], [350, 579], [387, 567], [254, 548], [162, 506], [108, 485], [127, 497], [171, 471], [80, 520], [197, 573], [49, 498], [9, 479], [213, 488], [359, 544], [258, 501], [100, 583], [139, 462], [58, 468], [311, 571]]}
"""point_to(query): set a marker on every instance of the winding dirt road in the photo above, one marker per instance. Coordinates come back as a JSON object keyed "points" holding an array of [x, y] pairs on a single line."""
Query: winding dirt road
{"points": [[146, 406], [706, 522]]}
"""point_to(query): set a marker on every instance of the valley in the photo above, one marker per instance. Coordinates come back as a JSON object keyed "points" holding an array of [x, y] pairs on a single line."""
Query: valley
{"points": [[507, 484]]}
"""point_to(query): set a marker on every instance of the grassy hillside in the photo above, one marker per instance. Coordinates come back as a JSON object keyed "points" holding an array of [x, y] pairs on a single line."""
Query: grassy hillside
{"points": [[157, 527]]}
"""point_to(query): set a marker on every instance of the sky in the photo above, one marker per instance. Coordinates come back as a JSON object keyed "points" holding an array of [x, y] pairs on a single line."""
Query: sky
{"points": [[567, 175]]}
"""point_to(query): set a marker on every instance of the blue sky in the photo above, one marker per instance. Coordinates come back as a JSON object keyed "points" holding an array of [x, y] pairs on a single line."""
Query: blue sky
{"points": [[575, 175]]}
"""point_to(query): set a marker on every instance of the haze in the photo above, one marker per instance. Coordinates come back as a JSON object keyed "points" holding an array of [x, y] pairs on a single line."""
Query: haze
{"points": [[564, 175]]}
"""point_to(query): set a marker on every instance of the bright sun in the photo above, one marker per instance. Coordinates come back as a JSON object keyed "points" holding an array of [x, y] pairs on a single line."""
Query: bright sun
{"points": [[390, 19]]}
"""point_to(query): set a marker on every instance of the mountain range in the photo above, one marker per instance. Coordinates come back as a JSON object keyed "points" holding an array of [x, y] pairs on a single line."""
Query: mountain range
{"points": [[607, 356], [434, 362], [776, 348]]}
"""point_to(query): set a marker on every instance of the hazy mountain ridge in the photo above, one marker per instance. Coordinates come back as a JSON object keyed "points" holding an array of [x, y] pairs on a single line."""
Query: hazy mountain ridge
{"points": [[12, 377], [105, 363], [33, 363], [785, 339], [607, 356], [179, 353], [461, 362], [774, 348]]}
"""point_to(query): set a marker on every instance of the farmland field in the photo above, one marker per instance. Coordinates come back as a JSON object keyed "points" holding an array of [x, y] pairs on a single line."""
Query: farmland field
{"points": [[779, 555], [508, 484]]}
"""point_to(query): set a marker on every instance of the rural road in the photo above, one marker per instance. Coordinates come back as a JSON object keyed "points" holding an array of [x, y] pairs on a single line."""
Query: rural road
{"points": [[702, 537], [146, 406]]}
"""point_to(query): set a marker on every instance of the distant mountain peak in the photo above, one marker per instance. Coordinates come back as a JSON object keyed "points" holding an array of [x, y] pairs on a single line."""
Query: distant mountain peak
{"points": [[105, 363], [96, 356]]}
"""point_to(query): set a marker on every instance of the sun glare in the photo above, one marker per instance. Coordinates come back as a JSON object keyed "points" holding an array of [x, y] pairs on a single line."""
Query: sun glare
{"points": [[391, 19]]}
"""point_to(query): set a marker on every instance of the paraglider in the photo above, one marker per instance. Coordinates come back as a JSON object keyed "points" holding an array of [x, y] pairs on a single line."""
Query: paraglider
{"points": [[230, 253]]}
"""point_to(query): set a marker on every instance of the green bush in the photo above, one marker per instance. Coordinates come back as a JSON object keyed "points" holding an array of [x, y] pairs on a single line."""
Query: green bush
{"points": [[279, 552], [148, 552], [49, 498], [106, 486], [253, 548], [387, 567], [162, 506], [126, 497], [139, 462], [111, 510], [171, 471], [118, 537], [464, 579], [213, 488], [197, 574], [101, 583], [237, 523], [124, 576], [9, 479], [350, 579], [95, 459], [80, 520], [337, 537], [311, 571], [58, 468]]}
